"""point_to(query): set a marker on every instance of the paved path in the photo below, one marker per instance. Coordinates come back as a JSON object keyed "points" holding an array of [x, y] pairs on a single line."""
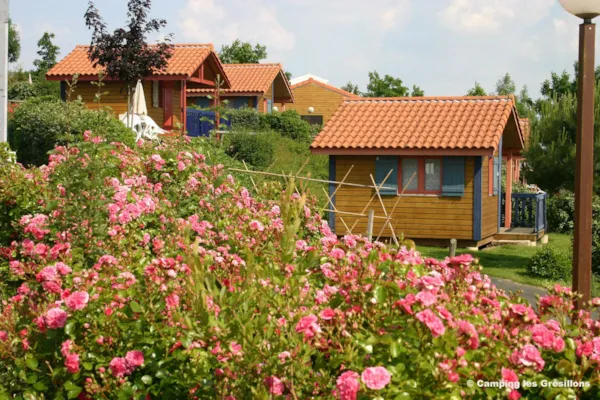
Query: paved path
{"points": [[529, 292]]}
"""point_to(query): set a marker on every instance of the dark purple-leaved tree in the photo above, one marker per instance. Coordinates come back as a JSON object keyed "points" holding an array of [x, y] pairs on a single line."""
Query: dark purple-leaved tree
{"points": [[124, 53]]}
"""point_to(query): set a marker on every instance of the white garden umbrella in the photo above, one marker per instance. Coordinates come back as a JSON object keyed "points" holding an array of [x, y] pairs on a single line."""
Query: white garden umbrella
{"points": [[139, 101], [139, 121]]}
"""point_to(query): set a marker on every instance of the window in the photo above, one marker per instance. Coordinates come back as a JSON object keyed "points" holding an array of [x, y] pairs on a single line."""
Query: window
{"points": [[427, 173], [155, 94], [313, 119]]}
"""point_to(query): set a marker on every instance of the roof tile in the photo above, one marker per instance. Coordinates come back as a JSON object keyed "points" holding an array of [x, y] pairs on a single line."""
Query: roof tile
{"points": [[255, 78], [185, 60], [417, 122]]}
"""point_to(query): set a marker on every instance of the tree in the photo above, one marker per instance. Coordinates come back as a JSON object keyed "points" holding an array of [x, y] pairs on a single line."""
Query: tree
{"points": [[48, 52], [477, 90], [351, 87], [14, 43], [242, 53], [417, 91], [388, 86], [288, 75], [124, 54], [525, 103], [505, 86]]}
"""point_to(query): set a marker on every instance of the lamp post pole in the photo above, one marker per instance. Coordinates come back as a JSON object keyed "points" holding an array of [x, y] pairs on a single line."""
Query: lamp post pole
{"points": [[584, 172]]}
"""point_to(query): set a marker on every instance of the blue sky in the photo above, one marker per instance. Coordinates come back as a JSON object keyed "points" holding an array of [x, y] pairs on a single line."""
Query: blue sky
{"points": [[444, 46]]}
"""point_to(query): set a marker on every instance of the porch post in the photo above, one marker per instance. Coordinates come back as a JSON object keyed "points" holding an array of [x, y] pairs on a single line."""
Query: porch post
{"points": [[508, 195]]}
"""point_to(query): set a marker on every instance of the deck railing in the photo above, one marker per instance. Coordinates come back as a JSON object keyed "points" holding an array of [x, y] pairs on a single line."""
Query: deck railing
{"points": [[528, 210]]}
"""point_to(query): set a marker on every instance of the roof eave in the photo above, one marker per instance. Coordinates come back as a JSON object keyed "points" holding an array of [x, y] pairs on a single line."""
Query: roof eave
{"points": [[402, 152]]}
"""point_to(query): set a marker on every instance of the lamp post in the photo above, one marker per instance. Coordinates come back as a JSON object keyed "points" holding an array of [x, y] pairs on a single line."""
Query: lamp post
{"points": [[584, 170]]}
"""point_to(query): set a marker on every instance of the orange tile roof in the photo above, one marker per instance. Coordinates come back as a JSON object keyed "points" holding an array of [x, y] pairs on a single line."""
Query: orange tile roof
{"points": [[424, 123], [185, 60], [247, 78], [525, 129], [325, 85]]}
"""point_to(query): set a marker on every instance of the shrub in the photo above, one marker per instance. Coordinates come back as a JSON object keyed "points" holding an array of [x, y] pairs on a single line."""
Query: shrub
{"points": [[39, 124], [255, 149], [22, 91], [172, 281], [289, 124], [550, 263], [245, 119], [561, 210]]}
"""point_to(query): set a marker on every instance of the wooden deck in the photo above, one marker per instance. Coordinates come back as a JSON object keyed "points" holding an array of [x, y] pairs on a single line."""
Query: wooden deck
{"points": [[519, 234]]}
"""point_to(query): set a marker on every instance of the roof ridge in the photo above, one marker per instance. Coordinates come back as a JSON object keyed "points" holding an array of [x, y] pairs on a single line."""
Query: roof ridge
{"points": [[350, 95], [254, 65], [432, 98], [210, 45]]}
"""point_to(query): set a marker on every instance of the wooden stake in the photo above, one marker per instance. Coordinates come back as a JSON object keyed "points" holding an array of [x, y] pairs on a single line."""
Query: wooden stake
{"points": [[384, 210], [372, 198], [370, 224], [251, 179]]}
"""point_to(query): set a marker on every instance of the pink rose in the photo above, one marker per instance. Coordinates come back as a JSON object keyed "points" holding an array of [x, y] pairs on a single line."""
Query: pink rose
{"points": [[376, 378], [77, 300], [3, 336], [508, 375], [47, 274], [468, 329], [172, 301], [432, 321], [327, 314], [528, 356], [308, 326], [56, 318], [235, 348], [134, 358], [275, 385], [72, 363], [348, 385], [426, 298], [119, 367], [65, 347]]}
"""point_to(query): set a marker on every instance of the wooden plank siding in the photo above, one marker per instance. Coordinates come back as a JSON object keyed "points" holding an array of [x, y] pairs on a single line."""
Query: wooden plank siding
{"points": [[116, 99], [427, 217], [489, 221], [268, 95], [324, 101]]}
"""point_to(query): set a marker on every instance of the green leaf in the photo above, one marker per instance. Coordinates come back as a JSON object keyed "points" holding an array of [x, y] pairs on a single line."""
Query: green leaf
{"points": [[395, 349], [147, 379], [32, 378], [70, 328], [88, 366], [69, 385], [32, 363], [73, 393], [40, 386], [135, 307], [380, 294]]}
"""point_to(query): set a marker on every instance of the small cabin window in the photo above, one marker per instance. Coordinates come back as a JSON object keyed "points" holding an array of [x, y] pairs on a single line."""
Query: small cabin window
{"points": [[427, 173], [313, 119], [155, 94]]}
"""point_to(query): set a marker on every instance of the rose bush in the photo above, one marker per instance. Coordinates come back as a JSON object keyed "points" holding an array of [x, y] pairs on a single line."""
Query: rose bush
{"points": [[150, 273]]}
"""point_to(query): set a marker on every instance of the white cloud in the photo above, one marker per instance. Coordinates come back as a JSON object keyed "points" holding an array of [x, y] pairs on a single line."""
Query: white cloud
{"points": [[250, 20], [491, 16]]}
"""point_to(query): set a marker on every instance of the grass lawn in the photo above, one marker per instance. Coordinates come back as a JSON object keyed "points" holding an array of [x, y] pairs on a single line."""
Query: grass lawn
{"points": [[510, 261]]}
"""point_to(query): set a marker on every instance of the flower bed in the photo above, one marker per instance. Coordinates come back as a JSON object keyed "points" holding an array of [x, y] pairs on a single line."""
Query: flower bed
{"points": [[149, 273]]}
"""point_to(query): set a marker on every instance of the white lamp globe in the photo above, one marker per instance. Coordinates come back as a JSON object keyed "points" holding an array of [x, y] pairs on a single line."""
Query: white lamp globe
{"points": [[275, 109], [586, 9], [311, 110]]}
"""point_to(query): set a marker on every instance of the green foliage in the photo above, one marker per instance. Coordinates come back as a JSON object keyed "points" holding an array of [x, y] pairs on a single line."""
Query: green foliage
{"points": [[240, 52], [351, 87], [388, 86], [14, 43], [505, 85], [550, 263], [255, 149], [477, 90], [245, 118], [551, 151], [47, 51], [22, 90], [561, 210], [39, 124], [417, 91], [289, 124]]}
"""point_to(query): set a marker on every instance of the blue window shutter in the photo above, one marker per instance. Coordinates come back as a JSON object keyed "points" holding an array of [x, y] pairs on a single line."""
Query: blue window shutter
{"points": [[453, 176], [496, 174], [383, 165]]}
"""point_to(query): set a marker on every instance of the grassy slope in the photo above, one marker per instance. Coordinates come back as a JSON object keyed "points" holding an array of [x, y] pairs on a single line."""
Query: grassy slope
{"points": [[510, 261]]}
